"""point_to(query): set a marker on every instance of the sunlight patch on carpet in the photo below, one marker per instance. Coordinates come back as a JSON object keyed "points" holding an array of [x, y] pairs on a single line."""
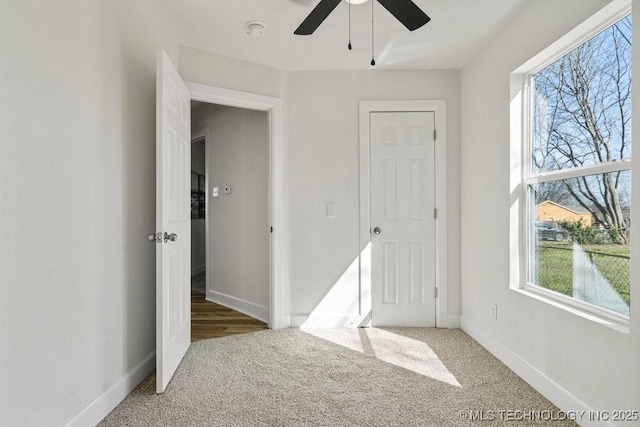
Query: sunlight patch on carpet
{"points": [[398, 350], [409, 354], [348, 338]]}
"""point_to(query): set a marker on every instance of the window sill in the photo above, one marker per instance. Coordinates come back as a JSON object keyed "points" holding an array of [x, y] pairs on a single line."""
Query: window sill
{"points": [[612, 322]]}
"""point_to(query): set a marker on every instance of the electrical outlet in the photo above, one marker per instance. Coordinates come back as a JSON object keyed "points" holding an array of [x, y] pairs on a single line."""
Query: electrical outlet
{"points": [[494, 311]]}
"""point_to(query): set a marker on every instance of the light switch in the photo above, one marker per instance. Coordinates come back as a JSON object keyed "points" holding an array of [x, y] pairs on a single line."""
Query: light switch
{"points": [[227, 189], [214, 193], [331, 210]]}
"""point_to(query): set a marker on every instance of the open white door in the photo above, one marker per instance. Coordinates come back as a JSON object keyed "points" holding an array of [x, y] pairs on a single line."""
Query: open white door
{"points": [[173, 221]]}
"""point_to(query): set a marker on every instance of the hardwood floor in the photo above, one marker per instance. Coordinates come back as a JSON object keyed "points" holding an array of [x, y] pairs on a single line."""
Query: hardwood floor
{"points": [[211, 320]]}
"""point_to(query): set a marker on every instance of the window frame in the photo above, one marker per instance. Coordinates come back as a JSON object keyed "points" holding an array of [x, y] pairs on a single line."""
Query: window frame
{"points": [[522, 80]]}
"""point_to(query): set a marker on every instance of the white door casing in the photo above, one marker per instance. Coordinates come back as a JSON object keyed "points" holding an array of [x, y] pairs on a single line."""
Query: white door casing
{"points": [[279, 293], [403, 238], [173, 258]]}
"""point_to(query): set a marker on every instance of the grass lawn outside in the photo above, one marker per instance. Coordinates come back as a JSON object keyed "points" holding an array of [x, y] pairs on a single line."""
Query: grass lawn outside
{"points": [[555, 266]]}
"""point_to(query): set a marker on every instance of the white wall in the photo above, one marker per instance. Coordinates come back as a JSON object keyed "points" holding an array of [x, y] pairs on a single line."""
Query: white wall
{"points": [[198, 229], [77, 200], [323, 143], [238, 155], [594, 363], [198, 66]]}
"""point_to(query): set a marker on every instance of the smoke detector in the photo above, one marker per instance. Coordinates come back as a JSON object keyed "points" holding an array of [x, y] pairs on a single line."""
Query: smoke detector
{"points": [[255, 28]]}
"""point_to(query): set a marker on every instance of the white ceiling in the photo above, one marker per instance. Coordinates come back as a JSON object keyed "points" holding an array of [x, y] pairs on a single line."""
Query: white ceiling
{"points": [[458, 28]]}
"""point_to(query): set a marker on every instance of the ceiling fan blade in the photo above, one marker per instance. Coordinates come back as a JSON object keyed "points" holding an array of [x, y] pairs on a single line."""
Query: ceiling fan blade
{"points": [[406, 12], [316, 17]]}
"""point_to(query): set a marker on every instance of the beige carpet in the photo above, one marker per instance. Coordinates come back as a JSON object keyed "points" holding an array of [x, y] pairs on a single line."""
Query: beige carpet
{"points": [[361, 377]]}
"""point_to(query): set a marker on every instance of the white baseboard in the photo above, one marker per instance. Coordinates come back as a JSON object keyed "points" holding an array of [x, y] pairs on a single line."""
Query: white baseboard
{"points": [[100, 408], [306, 320], [450, 322], [553, 391], [283, 323], [249, 308], [197, 270], [325, 320]]}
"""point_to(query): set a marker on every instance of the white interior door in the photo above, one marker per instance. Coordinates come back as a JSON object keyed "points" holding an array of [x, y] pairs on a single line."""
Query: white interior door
{"points": [[173, 221], [402, 219]]}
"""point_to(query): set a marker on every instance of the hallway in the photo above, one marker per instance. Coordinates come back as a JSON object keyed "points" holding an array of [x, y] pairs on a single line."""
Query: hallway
{"points": [[211, 320]]}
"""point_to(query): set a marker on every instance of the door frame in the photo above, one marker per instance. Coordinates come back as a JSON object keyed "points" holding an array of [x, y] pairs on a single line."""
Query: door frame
{"points": [[277, 318], [439, 107], [203, 135]]}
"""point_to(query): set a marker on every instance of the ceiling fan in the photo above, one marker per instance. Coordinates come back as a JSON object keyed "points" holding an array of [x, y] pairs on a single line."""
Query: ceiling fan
{"points": [[405, 11]]}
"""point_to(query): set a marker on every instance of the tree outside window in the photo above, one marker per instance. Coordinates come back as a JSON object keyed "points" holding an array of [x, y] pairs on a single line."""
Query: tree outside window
{"points": [[580, 151]]}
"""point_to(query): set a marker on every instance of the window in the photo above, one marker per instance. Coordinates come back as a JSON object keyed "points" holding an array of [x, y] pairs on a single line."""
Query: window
{"points": [[577, 174]]}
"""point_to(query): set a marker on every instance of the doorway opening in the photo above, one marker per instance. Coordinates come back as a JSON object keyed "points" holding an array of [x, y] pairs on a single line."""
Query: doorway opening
{"points": [[230, 221], [198, 212], [278, 285]]}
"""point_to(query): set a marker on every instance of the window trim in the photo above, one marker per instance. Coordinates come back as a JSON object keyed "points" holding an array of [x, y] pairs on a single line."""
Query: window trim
{"points": [[578, 304], [521, 82], [576, 172]]}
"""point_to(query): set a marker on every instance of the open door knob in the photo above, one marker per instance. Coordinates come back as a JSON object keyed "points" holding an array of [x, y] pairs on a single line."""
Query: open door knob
{"points": [[173, 237], [155, 237], [377, 230]]}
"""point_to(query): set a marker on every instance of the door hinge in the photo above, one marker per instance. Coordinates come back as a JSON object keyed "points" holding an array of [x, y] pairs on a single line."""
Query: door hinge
{"points": [[435, 292], [435, 213], [271, 229], [435, 134]]}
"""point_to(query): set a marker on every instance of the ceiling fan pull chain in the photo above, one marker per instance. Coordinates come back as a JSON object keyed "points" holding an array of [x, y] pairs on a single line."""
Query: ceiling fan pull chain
{"points": [[349, 46], [373, 60]]}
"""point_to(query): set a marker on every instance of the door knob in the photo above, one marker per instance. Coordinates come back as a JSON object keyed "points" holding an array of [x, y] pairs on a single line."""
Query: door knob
{"points": [[155, 237], [377, 230], [173, 237]]}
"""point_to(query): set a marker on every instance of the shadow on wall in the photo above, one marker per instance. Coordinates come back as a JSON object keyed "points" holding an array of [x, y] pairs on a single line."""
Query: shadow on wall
{"points": [[138, 150]]}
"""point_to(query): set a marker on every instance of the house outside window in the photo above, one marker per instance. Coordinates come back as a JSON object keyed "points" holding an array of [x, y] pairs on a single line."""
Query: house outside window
{"points": [[577, 171]]}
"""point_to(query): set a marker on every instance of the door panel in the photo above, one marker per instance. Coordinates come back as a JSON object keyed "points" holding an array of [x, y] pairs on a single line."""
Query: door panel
{"points": [[402, 206], [390, 189], [390, 268], [173, 258], [416, 272]]}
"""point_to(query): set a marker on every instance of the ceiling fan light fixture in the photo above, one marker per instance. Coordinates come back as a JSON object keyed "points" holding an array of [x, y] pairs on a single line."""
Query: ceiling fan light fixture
{"points": [[255, 28]]}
